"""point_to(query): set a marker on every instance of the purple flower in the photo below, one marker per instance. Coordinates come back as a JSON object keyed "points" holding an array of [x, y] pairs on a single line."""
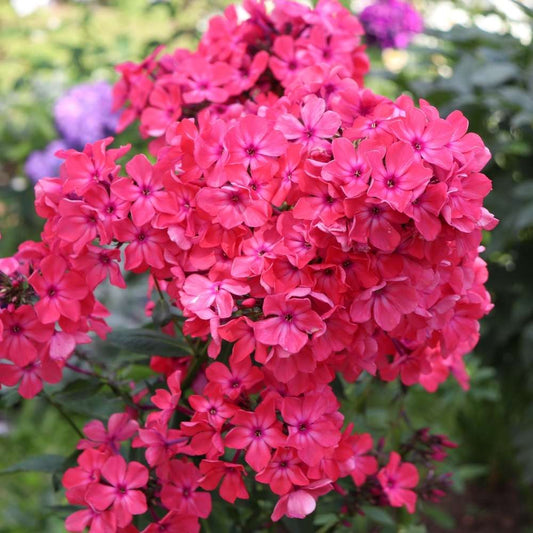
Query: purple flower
{"points": [[391, 23], [83, 114], [43, 163]]}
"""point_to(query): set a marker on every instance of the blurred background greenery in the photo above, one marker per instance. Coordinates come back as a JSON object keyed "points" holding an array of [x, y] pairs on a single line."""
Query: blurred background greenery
{"points": [[476, 56]]}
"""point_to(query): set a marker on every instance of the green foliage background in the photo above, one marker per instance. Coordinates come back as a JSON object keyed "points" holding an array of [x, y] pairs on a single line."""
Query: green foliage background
{"points": [[488, 76]]}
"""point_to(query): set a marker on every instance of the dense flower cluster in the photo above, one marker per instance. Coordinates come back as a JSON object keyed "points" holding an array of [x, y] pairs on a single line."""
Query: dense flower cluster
{"points": [[304, 227], [235, 61], [391, 23], [82, 115]]}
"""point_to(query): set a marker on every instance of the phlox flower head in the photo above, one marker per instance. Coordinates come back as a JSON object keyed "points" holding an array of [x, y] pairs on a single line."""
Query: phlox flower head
{"points": [[391, 23], [83, 114], [296, 230], [44, 163]]}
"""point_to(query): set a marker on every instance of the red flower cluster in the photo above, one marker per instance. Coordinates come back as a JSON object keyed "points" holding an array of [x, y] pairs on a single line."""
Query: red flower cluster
{"points": [[304, 226], [310, 455], [236, 60]]}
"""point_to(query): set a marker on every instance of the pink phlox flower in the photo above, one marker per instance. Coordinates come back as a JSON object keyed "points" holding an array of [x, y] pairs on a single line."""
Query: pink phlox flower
{"points": [[386, 303], [360, 464], [463, 207], [165, 108], [215, 407], [174, 522], [258, 432], [252, 142], [338, 335], [330, 280], [425, 210], [160, 441], [373, 126], [232, 486], [205, 439], [286, 60], [99, 263], [120, 427], [325, 45], [349, 169], [231, 205], [427, 138], [83, 170], [77, 479], [181, 481], [211, 153], [60, 290], [240, 378], [375, 223], [167, 400], [145, 248], [78, 224], [291, 325], [290, 172], [262, 182], [23, 334], [467, 148], [311, 429], [316, 124], [401, 179], [96, 521], [30, 377], [205, 81], [283, 275], [302, 501], [255, 253], [283, 472], [208, 297], [297, 244], [240, 331], [248, 72], [109, 208], [397, 479], [320, 200], [175, 211], [121, 492], [351, 101], [142, 189], [408, 364], [137, 93]]}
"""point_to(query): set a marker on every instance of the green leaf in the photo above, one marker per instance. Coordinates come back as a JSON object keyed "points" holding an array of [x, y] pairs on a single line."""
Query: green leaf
{"points": [[492, 75], [78, 390], [325, 519], [413, 528], [378, 515], [441, 517], [471, 471], [41, 463], [148, 342]]}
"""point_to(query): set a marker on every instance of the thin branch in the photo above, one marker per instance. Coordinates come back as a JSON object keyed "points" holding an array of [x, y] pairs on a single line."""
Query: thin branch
{"points": [[63, 413]]}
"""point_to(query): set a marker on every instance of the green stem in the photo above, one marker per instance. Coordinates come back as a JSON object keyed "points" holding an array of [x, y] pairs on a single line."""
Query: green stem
{"points": [[156, 283], [198, 359], [113, 385], [63, 413]]}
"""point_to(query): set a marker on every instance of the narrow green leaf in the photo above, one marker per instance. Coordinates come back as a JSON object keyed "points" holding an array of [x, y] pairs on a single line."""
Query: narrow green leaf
{"points": [[148, 342], [40, 463], [378, 515]]}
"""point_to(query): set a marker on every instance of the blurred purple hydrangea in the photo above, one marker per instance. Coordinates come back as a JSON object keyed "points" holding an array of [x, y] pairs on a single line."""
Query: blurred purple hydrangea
{"points": [[391, 23], [83, 114], [43, 163]]}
